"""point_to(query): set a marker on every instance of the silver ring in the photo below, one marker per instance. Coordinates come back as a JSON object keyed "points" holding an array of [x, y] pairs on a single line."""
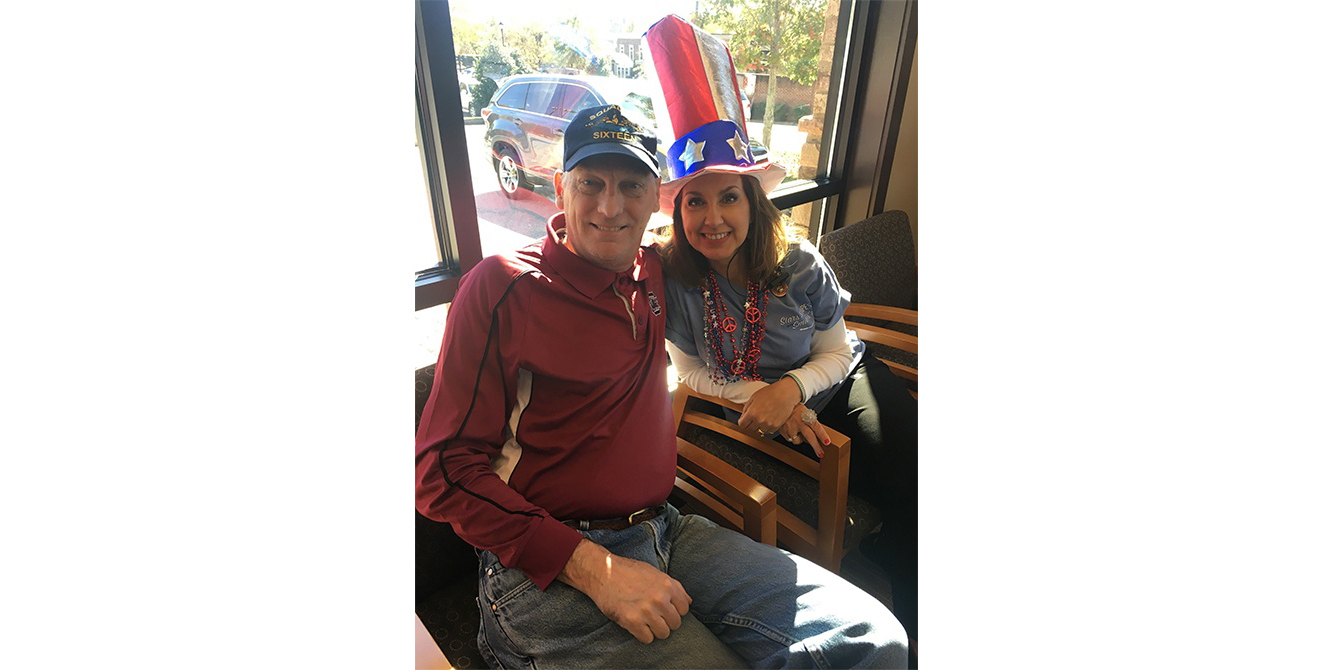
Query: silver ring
{"points": [[808, 416]]}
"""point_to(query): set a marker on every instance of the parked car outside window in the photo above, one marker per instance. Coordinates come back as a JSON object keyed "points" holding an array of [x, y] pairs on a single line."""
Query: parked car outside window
{"points": [[526, 119], [466, 82]]}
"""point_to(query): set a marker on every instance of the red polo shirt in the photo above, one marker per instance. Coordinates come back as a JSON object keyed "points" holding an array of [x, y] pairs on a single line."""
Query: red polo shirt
{"points": [[570, 419]]}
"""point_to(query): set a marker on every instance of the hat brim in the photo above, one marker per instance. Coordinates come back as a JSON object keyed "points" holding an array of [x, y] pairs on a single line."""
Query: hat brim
{"points": [[769, 174], [613, 148]]}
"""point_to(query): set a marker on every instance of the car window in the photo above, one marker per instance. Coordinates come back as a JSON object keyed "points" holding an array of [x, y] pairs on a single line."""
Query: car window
{"points": [[540, 94], [513, 96], [572, 98]]}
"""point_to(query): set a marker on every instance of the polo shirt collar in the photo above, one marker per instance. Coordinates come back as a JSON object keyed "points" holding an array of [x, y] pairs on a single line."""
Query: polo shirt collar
{"points": [[589, 279]]}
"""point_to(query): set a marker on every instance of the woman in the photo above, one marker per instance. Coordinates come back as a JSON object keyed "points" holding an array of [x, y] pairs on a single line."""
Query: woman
{"points": [[755, 315]]}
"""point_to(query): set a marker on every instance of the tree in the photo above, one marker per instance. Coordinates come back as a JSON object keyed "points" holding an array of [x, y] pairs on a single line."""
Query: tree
{"points": [[575, 46], [495, 63], [781, 37], [468, 37], [503, 50], [568, 57], [532, 49], [598, 66]]}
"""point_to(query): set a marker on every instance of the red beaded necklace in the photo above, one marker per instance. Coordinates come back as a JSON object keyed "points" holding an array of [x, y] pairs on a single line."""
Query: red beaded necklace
{"points": [[741, 365]]}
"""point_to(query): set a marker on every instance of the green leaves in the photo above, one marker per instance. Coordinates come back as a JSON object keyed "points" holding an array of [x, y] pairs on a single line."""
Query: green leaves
{"points": [[754, 42]]}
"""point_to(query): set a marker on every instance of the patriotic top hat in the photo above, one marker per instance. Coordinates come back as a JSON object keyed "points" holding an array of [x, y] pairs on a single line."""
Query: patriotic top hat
{"points": [[702, 108]]}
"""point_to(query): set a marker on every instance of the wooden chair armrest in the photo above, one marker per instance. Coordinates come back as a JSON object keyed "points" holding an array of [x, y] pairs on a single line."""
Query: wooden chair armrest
{"points": [[808, 465], [885, 336], [757, 503], [867, 310], [831, 472]]}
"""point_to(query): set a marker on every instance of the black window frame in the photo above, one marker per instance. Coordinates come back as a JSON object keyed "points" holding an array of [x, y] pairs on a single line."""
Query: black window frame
{"points": [[861, 132], [440, 125]]}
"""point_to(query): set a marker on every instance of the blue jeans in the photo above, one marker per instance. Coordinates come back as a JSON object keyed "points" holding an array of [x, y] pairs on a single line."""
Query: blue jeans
{"points": [[752, 606]]}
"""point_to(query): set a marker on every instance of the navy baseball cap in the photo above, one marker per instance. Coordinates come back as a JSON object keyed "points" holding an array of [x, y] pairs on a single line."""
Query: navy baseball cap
{"points": [[605, 130]]}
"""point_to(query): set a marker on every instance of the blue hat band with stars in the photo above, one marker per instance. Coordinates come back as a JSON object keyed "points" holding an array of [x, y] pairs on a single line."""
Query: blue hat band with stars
{"points": [[715, 143]]}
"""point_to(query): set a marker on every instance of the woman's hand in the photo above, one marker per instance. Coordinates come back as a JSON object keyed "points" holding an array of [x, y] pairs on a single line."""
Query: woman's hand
{"points": [[797, 431], [769, 408]]}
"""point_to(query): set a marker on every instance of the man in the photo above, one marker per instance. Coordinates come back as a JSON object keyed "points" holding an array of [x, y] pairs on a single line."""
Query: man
{"points": [[548, 443]]}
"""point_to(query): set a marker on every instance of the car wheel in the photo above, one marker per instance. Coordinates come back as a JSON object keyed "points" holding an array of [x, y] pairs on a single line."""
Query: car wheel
{"points": [[509, 172]]}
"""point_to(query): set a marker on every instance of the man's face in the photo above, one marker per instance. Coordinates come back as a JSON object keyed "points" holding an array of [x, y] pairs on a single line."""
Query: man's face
{"points": [[607, 203]]}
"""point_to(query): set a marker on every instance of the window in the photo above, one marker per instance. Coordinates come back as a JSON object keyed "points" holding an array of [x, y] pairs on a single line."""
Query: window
{"points": [[540, 96], [572, 99], [828, 113], [514, 97]]}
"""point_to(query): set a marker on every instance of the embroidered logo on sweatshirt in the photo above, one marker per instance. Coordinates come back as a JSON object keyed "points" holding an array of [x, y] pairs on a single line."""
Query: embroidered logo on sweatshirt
{"points": [[802, 320], [653, 304]]}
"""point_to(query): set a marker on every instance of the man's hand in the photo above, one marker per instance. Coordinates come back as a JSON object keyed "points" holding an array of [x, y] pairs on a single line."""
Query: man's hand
{"points": [[769, 408], [637, 596]]}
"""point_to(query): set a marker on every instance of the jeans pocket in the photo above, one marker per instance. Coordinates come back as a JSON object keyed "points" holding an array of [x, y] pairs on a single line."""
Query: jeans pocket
{"points": [[501, 585]]}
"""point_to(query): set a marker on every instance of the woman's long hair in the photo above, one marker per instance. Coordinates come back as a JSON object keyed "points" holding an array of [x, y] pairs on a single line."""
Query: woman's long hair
{"points": [[767, 241]]}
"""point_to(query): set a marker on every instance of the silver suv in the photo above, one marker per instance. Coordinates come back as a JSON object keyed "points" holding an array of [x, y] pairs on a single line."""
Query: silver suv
{"points": [[526, 119]]}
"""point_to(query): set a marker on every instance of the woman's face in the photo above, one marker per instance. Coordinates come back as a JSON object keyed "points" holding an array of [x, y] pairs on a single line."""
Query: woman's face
{"points": [[715, 215]]}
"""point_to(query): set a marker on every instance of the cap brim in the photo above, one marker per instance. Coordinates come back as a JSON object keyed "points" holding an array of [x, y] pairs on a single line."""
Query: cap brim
{"points": [[769, 174], [612, 148]]}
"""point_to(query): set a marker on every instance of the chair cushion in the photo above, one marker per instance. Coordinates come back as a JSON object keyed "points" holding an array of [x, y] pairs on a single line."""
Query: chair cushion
{"points": [[451, 617], [797, 493], [446, 574], [441, 557], [424, 379]]}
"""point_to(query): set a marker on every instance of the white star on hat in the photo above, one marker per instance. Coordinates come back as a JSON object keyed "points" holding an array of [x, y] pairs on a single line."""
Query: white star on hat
{"points": [[693, 153], [739, 147]]}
